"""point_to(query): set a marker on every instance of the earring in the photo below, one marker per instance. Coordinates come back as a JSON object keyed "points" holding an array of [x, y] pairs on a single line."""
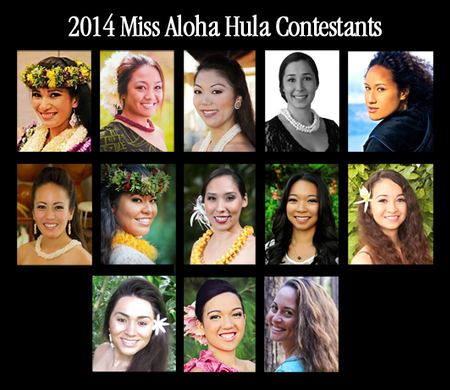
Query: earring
{"points": [[110, 341], [69, 230], [236, 105], [35, 228], [73, 119]]}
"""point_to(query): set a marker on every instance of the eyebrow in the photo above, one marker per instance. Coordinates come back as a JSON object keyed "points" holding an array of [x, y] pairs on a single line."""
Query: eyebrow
{"points": [[376, 84], [145, 82], [316, 196], [226, 193], [387, 195], [295, 74], [220, 311], [41, 201], [213, 85], [126, 315], [285, 307]]}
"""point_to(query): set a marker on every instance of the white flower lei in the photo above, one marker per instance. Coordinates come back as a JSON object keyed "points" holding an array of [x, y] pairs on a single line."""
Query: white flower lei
{"points": [[109, 84], [63, 142]]}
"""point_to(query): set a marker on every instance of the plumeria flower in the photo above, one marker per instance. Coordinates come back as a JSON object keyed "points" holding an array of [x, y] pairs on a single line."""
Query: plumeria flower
{"points": [[159, 325], [366, 197], [199, 213]]}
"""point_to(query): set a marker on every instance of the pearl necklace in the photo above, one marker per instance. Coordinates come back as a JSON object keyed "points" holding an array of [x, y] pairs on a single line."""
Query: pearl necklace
{"points": [[227, 137], [57, 253], [300, 126]]}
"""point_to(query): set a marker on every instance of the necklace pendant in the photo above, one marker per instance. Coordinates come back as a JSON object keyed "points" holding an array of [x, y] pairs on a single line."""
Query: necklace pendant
{"points": [[299, 257]]}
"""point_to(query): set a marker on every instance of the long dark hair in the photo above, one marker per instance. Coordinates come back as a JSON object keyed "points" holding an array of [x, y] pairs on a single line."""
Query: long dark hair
{"points": [[413, 241], [62, 179], [325, 239], [410, 71], [82, 92], [110, 198], [232, 71], [153, 357]]}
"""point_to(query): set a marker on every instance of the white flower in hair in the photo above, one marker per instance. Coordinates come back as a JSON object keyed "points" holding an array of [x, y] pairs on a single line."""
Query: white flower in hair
{"points": [[199, 213], [159, 325], [366, 197], [109, 83]]}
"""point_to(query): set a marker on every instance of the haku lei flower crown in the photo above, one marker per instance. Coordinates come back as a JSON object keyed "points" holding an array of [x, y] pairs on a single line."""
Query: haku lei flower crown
{"points": [[191, 328], [135, 182], [158, 325], [199, 214], [37, 76], [366, 197]]}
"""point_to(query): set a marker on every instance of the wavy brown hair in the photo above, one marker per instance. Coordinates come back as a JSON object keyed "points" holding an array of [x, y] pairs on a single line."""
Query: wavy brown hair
{"points": [[317, 329], [414, 245]]}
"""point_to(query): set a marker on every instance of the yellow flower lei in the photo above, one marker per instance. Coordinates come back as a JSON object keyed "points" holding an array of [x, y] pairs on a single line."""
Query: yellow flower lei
{"points": [[226, 257], [123, 238]]}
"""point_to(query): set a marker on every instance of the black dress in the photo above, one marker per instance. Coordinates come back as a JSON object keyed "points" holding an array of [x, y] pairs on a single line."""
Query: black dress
{"points": [[116, 137], [279, 139]]}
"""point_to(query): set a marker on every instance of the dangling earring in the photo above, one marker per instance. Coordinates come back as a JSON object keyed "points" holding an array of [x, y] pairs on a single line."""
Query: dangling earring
{"points": [[73, 119], [110, 341], [35, 229], [69, 230], [236, 105]]}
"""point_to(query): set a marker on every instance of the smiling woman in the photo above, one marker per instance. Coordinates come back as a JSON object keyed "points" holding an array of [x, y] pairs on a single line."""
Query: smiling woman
{"points": [[129, 195]]}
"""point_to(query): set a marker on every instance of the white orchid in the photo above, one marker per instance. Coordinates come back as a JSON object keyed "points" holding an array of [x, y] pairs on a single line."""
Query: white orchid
{"points": [[366, 197], [199, 213], [158, 325]]}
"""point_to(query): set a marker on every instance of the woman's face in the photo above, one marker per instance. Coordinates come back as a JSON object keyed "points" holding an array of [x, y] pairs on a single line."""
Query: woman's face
{"points": [[223, 202], [53, 107], [136, 213], [51, 210], [302, 208], [144, 93], [299, 84], [283, 316], [382, 94], [214, 100], [223, 322], [388, 205], [130, 324]]}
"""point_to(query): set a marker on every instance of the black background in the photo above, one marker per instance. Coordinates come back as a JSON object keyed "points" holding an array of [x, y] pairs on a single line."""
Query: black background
{"points": [[391, 317]]}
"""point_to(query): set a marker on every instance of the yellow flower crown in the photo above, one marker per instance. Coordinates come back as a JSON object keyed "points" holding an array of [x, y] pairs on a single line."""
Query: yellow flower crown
{"points": [[37, 76]]}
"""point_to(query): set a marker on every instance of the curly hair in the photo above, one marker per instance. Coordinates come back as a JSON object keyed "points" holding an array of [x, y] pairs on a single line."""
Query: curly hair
{"points": [[325, 239], [413, 241], [409, 71], [317, 328]]}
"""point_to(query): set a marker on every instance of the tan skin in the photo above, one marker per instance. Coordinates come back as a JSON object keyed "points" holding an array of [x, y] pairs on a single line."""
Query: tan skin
{"points": [[223, 314], [214, 100], [144, 96], [51, 214], [223, 204]]}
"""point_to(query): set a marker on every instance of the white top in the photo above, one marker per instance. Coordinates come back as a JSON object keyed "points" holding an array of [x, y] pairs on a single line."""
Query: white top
{"points": [[288, 261], [122, 254]]}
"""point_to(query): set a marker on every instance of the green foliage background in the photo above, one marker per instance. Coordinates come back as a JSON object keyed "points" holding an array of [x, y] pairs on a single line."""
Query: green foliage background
{"points": [[276, 177], [104, 286], [164, 118], [419, 176], [246, 288]]}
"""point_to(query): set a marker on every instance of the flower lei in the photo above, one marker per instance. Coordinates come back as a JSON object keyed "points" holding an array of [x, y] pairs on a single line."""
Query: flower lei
{"points": [[35, 135], [37, 76], [135, 182], [127, 239], [191, 328], [226, 257]]}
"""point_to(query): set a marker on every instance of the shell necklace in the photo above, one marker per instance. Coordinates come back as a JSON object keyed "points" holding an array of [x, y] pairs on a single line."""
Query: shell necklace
{"points": [[300, 126], [57, 253], [227, 137]]}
